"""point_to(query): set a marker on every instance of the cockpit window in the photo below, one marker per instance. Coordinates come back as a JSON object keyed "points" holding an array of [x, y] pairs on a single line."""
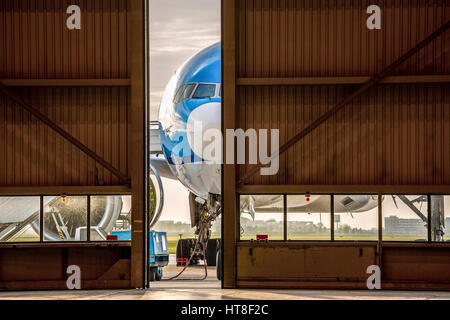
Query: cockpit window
{"points": [[188, 91], [184, 92], [202, 91], [177, 99], [205, 91]]}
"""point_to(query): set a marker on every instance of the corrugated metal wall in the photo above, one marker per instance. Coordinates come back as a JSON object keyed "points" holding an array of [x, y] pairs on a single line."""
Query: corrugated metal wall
{"points": [[37, 45], [325, 38], [395, 134], [34, 155]]}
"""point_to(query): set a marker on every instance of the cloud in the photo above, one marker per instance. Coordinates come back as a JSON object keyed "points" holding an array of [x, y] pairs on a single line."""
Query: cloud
{"points": [[178, 30]]}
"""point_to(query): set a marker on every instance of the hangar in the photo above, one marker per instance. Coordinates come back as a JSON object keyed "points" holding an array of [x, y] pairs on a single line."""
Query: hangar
{"points": [[362, 114]]}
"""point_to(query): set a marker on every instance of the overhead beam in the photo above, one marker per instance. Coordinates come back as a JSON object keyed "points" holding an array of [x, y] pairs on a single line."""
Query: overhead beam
{"points": [[364, 88], [66, 82], [66, 135], [340, 80], [344, 189], [68, 190]]}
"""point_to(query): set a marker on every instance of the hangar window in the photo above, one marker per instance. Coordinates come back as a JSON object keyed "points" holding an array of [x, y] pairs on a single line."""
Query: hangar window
{"points": [[65, 218], [440, 218], [205, 91], [356, 217], [309, 217], [405, 218], [110, 218], [261, 216], [19, 219]]}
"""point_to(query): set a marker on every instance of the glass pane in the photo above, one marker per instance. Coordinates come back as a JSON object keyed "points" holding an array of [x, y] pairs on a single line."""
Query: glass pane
{"points": [[19, 219], [110, 216], [188, 91], [309, 217], [177, 98], [356, 217], [164, 242], [65, 218], [216, 228], [205, 91], [404, 218], [440, 218], [261, 215]]}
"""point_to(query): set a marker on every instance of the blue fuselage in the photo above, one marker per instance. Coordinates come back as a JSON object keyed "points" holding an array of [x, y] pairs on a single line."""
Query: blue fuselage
{"points": [[193, 95]]}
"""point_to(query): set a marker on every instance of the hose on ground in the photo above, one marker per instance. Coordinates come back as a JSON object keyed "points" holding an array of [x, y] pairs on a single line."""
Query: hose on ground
{"points": [[207, 219], [200, 236]]}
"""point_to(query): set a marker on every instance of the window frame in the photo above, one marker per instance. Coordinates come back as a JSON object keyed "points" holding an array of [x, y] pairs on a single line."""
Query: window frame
{"points": [[41, 224], [204, 97], [217, 91], [428, 214], [332, 214]]}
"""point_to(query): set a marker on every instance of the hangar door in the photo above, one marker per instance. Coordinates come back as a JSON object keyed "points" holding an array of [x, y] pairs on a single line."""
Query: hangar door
{"points": [[362, 114]]}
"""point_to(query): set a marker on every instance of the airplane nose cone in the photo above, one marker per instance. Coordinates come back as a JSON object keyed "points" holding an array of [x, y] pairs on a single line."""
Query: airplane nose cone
{"points": [[203, 129]]}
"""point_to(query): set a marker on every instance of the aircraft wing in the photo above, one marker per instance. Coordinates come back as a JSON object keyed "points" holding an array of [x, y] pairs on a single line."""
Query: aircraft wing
{"points": [[18, 209], [160, 164], [322, 204]]}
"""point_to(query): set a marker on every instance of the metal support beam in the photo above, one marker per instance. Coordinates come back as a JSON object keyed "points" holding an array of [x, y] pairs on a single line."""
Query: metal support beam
{"points": [[66, 82], [410, 205], [319, 81], [332, 217], [66, 135], [230, 200], [285, 217], [368, 85], [380, 231], [137, 146]]}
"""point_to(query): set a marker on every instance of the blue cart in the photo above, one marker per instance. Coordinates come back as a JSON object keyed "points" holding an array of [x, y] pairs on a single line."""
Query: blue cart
{"points": [[159, 251]]}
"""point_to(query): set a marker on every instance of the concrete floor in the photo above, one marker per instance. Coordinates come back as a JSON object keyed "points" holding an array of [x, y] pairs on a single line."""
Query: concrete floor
{"points": [[209, 289], [196, 291]]}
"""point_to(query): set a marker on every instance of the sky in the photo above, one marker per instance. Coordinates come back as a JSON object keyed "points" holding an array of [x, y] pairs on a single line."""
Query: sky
{"points": [[178, 30]]}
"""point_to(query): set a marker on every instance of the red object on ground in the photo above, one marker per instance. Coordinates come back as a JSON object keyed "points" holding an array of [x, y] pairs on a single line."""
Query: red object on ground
{"points": [[262, 237], [112, 238], [182, 261]]}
